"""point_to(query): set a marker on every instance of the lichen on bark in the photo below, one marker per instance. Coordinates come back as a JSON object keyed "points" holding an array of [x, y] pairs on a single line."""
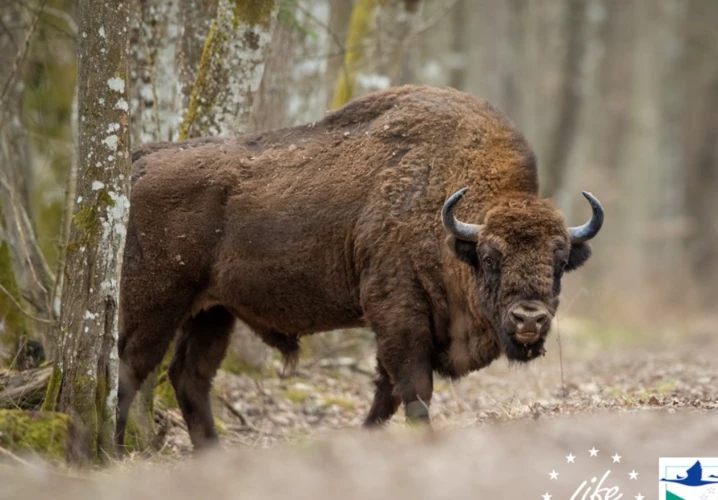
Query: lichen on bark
{"points": [[230, 69], [156, 101], [375, 47], [87, 341]]}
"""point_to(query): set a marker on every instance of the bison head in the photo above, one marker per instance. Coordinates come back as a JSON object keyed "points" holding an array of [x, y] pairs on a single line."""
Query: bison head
{"points": [[519, 254]]}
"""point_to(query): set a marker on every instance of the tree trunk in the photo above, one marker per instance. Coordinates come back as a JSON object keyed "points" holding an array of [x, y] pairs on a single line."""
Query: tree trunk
{"points": [[360, 29], [270, 106], [340, 12], [84, 382], [375, 48], [156, 101], [231, 68], [701, 136], [569, 100], [196, 17]]}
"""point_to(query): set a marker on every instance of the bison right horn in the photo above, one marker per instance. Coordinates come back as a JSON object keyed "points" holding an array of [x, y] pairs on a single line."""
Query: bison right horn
{"points": [[461, 230], [590, 229]]}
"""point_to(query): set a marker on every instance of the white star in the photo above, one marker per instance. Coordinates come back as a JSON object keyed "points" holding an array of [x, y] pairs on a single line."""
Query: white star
{"points": [[616, 458], [570, 459], [553, 474], [639, 497], [593, 451], [633, 474], [546, 496]]}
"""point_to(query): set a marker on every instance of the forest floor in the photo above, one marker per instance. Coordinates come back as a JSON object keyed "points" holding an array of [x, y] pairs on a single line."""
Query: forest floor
{"points": [[498, 433], [590, 371]]}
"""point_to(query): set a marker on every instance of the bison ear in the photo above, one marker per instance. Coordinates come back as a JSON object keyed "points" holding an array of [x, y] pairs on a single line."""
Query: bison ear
{"points": [[580, 252], [465, 251]]}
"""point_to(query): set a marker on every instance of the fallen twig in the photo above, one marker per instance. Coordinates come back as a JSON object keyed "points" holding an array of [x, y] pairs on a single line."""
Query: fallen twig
{"points": [[234, 411], [11, 455], [19, 307], [24, 390], [21, 54]]}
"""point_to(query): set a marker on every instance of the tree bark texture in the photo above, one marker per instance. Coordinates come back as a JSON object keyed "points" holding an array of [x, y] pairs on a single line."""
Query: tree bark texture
{"points": [[270, 105], [84, 382], [231, 68]]}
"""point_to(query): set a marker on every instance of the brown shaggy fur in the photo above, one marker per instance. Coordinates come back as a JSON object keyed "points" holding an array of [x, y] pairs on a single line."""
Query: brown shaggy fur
{"points": [[337, 224]]}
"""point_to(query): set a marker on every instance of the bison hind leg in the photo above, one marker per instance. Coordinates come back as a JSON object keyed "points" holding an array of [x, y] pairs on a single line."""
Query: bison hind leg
{"points": [[141, 348], [199, 351], [287, 344]]}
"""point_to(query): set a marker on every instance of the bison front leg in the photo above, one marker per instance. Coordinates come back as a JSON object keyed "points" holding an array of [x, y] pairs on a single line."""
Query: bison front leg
{"points": [[404, 346], [385, 401], [414, 385]]}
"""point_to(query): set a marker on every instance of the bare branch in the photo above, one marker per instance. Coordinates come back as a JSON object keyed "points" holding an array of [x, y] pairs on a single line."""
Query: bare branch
{"points": [[8, 33], [434, 20], [59, 14], [21, 54], [23, 311], [21, 461], [234, 411], [335, 38], [26, 249]]}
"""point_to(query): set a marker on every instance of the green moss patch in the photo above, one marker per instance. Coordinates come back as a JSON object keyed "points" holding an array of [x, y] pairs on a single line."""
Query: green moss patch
{"points": [[343, 403], [296, 396], [254, 12], [44, 433]]}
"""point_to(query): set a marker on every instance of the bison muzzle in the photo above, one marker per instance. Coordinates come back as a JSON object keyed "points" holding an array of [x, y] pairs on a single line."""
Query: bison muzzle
{"points": [[344, 223]]}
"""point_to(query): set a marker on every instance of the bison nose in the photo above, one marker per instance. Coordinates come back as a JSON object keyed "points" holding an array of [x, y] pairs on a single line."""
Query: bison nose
{"points": [[529, 319]]}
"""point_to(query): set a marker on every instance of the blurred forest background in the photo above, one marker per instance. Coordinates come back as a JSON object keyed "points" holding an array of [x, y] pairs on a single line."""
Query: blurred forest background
{"points": [[618, 97]]}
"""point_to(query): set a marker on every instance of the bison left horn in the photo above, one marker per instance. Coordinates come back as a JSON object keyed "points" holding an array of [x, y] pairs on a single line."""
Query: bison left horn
{"points": [[461, 230], [581, 234]]}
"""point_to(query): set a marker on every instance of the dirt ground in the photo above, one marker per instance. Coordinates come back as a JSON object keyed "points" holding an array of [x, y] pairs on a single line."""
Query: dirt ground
{"points": [[592, 370], [497, 433]]}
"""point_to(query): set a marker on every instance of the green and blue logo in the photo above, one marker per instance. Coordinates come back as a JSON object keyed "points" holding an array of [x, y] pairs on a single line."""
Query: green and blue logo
{"points": [[688, 478]]}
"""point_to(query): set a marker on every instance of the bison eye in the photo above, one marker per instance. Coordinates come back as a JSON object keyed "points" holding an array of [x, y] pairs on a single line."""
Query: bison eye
{"points": [[489, 261]]}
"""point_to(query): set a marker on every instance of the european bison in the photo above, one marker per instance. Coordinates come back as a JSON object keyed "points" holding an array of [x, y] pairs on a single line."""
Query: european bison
{"points": [[338, 224]]}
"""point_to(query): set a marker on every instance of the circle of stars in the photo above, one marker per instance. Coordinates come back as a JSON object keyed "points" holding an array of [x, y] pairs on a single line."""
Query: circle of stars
{"points": [[593, 453]]}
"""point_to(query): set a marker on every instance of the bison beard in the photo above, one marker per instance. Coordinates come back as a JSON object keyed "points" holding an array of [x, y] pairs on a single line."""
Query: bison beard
{"points": [[338, 224]]}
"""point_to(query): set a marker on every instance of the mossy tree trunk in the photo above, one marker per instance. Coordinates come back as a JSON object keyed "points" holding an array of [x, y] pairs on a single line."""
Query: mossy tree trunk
{"points": [[340, 13], [360, 29], [231, 68], [84, 383], [375, 47]]}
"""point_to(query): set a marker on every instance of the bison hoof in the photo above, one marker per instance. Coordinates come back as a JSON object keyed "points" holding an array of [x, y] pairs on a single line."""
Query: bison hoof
{"points": [[417, 413]]}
